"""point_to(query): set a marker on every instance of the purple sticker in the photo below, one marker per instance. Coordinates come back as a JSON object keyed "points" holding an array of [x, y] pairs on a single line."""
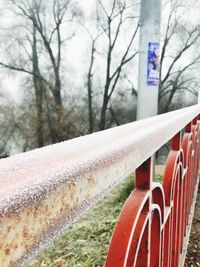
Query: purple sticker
{"points": [[153, 64]]}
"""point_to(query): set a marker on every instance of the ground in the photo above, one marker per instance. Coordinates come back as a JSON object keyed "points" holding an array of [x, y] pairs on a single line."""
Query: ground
{"points": [[86, 243], [193, 253]]}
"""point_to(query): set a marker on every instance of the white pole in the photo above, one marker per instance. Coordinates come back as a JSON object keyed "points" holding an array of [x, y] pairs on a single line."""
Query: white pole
{"points": [[148, 81]]}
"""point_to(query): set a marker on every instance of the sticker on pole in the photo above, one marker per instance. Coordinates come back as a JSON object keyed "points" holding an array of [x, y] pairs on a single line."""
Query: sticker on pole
{"points": [[153, 64]]}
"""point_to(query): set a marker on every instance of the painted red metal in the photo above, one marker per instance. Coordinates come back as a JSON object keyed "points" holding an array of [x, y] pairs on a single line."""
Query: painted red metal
{"points": [[154, 225], [45, 190]]}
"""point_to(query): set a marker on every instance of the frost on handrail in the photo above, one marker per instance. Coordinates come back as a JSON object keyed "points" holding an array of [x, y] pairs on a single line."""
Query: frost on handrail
{"points": [[44, 190]]}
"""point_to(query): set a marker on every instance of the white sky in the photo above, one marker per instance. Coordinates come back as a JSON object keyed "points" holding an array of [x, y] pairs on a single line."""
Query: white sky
{"points": [[74, 53]]}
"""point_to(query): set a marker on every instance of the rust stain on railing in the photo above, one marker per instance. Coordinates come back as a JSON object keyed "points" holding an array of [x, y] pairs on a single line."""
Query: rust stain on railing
{"points": [[45, 190]]}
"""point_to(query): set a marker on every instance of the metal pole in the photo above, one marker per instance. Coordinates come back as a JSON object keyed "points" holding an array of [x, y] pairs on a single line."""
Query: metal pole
{"points": [[148, 81]]}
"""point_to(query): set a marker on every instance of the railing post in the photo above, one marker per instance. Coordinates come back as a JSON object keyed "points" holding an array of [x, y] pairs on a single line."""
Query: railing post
{"points": [[144, 174], [143, 181]]}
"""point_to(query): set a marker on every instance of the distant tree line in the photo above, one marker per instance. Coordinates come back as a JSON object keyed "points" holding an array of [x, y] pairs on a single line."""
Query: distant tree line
{"points": [[53, 109]]}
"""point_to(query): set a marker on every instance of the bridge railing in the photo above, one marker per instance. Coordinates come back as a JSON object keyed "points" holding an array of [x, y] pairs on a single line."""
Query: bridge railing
{"points": [[45, 190]]}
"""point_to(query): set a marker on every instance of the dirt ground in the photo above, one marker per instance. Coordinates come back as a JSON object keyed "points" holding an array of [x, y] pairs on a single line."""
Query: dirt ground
{"points": [[193, 254]]}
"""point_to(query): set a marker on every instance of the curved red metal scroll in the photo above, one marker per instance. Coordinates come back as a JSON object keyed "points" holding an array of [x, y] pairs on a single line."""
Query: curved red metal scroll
{"points": [[154, 224]]}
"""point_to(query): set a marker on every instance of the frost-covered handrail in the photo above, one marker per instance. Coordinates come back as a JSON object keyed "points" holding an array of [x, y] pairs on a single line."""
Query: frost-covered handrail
{"points": [[44, 190]]}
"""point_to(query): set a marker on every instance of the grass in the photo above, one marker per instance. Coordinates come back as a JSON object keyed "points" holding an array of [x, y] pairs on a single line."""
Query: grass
{"points": [[86, 244]]}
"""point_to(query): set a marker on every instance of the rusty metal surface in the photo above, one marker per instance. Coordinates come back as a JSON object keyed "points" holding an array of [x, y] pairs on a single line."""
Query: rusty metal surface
{"points": [[154, 226], [44, 190]]}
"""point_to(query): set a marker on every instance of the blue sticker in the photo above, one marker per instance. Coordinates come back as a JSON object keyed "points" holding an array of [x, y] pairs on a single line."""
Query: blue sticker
{"points": [[153, 64]]}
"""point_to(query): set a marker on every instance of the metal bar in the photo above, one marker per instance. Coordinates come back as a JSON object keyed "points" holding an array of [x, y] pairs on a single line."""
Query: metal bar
{"points": [[44, 190], [170, 209]]}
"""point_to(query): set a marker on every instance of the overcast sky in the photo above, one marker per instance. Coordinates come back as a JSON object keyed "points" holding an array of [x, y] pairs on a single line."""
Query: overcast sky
{"points": [[75, 50]]}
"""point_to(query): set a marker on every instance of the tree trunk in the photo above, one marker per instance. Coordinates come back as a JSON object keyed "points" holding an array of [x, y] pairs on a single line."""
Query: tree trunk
{"points": [[37, 83], [102, 124], [89, 89], [58, 108], [170, 98]]}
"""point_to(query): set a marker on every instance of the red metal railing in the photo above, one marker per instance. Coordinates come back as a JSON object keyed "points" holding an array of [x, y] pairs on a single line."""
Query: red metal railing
{"points": [[154, 226], [45, 190]]}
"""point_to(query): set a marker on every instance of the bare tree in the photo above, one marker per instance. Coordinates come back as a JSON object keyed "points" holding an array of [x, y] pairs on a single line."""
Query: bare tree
{"points": [[44, 31], [90, 80], [179, 73], [117, 16], [112, 20]]}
